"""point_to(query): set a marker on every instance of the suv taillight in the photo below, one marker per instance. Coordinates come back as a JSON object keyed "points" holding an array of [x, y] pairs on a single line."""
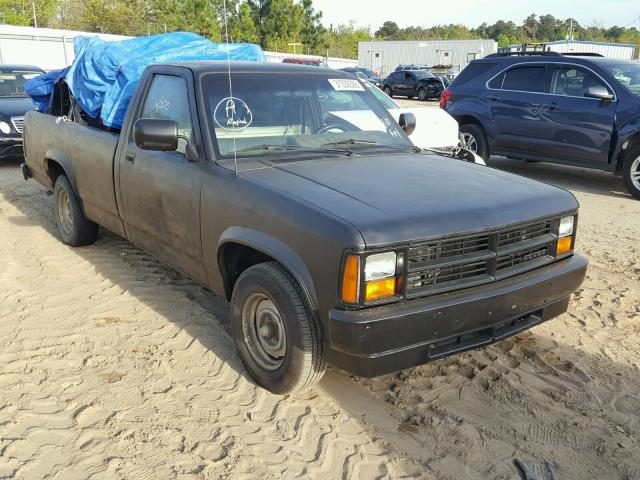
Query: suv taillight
{"points": [[444, 98]]}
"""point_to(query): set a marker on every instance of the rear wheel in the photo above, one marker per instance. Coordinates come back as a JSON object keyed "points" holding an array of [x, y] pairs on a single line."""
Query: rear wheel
{"points": [[472, 138], [388, 91], [631, 172], [74, 228], [278, 339]]}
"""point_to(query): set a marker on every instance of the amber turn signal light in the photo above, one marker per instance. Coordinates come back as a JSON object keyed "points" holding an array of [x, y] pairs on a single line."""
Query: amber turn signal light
{"points": [[564, 245], [350, 279], [380, 289]]}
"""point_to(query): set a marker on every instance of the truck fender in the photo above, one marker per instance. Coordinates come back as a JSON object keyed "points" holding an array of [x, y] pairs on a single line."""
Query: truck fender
{"points": [[275, 249], [58, 157]]}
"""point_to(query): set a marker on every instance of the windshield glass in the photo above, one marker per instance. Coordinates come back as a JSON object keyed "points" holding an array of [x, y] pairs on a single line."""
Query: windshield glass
{"points": [[367, 72], [627, 75], [302, 111], [12, 82], [422, 74]]}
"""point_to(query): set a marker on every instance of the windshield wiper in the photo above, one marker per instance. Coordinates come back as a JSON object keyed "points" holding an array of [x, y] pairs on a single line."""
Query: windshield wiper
{"points": [[268, 146], [350, 141]]}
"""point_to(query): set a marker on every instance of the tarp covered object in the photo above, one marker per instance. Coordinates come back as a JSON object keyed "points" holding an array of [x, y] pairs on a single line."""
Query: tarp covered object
{"points": [[105, 74], [40, 88]]}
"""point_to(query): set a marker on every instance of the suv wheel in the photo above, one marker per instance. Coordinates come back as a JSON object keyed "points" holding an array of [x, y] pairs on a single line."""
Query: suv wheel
{"points": [[277, 337], [472, 138], [388, 91], [631, 172], [422, 94]]}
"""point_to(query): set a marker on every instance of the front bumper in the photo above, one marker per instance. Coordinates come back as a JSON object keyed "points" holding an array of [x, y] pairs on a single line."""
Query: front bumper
{"points": [[11, 147], [385, 339]]}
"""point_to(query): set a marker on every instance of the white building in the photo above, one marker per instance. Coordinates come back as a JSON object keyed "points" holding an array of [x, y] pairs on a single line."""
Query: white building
{"points": [[385, 56], [49, 48]]}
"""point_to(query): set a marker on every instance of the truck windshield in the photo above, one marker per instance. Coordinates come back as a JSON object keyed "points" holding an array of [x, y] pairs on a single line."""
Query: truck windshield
{"points": [[295, 112], [12, 82], [627, 75]]}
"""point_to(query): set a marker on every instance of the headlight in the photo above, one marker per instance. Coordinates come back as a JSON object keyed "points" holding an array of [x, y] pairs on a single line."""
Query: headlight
{"points": [[380, 265], [380, 279], [564, 243], [566, 226], [4, 127]]}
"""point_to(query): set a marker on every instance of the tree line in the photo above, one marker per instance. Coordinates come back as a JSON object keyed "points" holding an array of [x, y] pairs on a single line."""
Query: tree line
{"points": [[534, 29], [278, 24]]}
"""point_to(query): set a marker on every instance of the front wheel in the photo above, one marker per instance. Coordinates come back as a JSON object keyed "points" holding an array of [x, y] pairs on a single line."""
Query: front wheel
{"points": [[277, 337], [631, 172], [422, 94], [75, 229], [388, 91], [472, 138]]}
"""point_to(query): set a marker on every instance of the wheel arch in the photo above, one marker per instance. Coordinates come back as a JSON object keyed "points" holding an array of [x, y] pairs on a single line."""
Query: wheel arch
{"points": [[240, 248], [630, 143]]}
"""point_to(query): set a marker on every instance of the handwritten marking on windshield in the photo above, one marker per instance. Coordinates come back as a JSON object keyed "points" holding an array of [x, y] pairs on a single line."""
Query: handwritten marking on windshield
{"points": [[232, 113]]}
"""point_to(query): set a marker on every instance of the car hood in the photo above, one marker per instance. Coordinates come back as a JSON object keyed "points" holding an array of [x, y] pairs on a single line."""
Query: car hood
{"points": [[14, 106], [406, 197]]}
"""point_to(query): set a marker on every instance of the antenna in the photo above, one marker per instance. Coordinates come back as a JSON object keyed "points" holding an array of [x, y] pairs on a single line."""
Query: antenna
{"points": [[233, 127]]}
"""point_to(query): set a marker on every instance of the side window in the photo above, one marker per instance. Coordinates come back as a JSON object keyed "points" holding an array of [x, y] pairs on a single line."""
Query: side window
{"points": [[524, 79], [495, 83], [167, 99], [409, 77], [573, 81]]}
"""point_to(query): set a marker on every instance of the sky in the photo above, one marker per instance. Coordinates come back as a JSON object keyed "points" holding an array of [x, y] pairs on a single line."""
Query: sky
{"points": [[426, 13]]}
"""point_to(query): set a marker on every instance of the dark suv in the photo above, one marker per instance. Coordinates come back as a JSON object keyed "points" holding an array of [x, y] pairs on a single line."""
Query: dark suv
{"points": [[581, 110], [414, 83]]}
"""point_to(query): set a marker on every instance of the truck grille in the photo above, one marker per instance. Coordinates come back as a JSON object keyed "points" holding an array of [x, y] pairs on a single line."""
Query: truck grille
{"points": [[17, 123], [449, 264]]}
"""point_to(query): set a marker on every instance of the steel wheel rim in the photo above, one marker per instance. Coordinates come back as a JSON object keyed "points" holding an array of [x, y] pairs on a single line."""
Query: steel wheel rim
{"points": [[387, 91], [263, 331], [635, 173], [64, 212], [469, 142]]}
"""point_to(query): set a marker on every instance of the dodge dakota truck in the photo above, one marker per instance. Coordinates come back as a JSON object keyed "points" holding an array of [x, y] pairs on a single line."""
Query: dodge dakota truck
{"points": [[291, 191]]}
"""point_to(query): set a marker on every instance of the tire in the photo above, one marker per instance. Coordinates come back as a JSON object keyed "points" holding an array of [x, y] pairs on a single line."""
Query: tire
{"points": [[279, 366], [631, 172], [74, 228], [475, 136], [388, 91], [422, 94]]}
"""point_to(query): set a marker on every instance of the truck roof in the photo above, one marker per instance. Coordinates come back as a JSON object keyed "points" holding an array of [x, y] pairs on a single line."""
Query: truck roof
{"points": [[239, 67], [6, 67]]}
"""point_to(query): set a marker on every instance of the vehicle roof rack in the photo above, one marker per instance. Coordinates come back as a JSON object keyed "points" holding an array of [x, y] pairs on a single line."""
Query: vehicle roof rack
{"points": [[521, 54]]}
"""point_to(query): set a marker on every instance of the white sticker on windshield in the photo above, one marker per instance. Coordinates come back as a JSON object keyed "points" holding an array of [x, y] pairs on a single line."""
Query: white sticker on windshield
{"points": [[232, 113], [346, 84]]}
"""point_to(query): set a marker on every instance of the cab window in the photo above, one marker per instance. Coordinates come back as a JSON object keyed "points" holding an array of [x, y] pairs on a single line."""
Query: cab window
{"points": [[167, 99]]}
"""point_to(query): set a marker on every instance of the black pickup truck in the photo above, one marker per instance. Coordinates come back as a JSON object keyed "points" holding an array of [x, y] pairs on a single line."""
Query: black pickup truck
{"points": [[303, 202]]}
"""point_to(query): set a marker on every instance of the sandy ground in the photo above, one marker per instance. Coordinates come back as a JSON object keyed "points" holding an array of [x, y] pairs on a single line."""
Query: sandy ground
{"points": [[114, 366]]}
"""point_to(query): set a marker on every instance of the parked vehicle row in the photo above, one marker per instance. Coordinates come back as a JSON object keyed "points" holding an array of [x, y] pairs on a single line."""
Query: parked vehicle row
{"points": [[581, 110]]}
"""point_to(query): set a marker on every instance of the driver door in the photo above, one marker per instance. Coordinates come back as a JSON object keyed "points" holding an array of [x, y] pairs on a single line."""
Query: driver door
{"points": [[160, 191]]}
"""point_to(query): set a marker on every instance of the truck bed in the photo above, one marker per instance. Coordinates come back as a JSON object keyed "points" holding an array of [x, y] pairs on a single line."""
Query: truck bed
{"points": [[66, 143]]}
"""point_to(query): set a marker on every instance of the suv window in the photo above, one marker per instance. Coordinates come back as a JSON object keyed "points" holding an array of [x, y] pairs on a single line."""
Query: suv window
{"points": [[573, 81], [167, 99], [520, 79], [395, 76]]}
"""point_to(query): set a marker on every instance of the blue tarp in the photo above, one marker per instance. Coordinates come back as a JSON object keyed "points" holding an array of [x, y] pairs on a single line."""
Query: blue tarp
{"points": [[40, 88], [104, 74]]}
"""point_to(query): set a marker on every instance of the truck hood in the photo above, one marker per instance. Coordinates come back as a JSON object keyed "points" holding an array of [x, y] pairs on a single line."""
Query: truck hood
{"points": [[407, 197], [14, 106]]}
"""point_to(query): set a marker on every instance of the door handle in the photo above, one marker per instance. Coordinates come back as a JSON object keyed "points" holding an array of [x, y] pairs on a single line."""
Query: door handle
{"points": [[493, 98], [130, 157]]}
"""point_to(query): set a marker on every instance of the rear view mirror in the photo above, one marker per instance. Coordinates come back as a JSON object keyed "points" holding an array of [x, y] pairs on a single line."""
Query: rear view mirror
{"points": [[599, 92], [407, 122], [156, 134]]}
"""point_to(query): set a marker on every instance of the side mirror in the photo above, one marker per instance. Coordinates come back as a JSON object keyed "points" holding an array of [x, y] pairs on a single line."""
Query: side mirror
{"points": [[407, 122], [156, 134], [599, 92]]}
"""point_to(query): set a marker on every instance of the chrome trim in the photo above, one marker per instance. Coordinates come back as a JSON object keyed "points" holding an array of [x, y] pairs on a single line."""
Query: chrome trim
{"points": [[18, 123], [486, 84]]}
